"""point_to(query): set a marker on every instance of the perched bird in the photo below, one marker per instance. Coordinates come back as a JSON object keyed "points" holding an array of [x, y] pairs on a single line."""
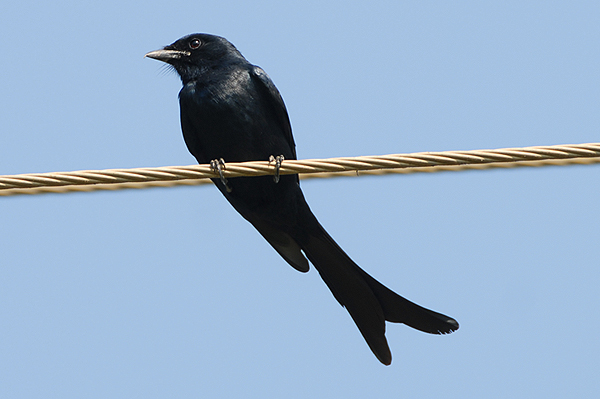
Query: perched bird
{"points": [[231, 111]]}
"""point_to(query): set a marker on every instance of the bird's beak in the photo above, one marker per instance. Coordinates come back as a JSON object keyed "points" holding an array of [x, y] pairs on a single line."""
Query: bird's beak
{"points": [[166, 55]]}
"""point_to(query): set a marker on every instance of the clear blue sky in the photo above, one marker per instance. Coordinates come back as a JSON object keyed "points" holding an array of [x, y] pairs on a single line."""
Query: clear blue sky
{"points": [[170, 293]]}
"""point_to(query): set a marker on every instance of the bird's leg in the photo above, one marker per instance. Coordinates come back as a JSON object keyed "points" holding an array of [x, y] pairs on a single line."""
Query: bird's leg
{"points": [[218, 166], [278, 159]]}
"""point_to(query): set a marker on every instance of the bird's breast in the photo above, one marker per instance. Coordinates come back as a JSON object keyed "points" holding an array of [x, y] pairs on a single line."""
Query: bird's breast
{"points": [[224, 119]]}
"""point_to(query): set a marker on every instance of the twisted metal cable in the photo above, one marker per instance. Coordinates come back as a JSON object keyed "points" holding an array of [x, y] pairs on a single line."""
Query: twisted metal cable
{"points": [[116, 179]]}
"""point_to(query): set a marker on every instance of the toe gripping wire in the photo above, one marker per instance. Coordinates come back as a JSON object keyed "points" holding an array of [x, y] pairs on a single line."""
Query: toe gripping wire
{"points": [[218, 166], [278, 159]]}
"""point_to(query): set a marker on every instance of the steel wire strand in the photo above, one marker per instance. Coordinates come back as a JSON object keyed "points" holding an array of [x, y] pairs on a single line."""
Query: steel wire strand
{"points": [[115, 179]]}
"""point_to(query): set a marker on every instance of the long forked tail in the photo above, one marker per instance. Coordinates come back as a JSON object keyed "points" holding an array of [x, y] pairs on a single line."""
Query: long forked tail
{"points": [[369, 302]]}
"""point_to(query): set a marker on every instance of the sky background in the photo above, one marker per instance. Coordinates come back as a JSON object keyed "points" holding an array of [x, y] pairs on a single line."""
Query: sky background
{"points": [[170, 293]]}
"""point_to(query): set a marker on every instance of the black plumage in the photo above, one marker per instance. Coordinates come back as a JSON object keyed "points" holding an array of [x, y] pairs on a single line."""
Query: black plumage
{"points": [[231, 110]]}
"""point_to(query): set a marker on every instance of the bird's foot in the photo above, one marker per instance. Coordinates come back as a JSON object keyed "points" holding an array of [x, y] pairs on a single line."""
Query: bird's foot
{"points": [[218, 166], [278, 159]]}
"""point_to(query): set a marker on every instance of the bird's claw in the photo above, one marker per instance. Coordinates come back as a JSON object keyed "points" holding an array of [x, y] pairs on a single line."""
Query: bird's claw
{"points": [[278, 159], [218, 166]]}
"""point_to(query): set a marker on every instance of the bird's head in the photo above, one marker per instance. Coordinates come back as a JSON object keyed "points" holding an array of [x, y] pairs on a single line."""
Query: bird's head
{"points": [[194, 54]]}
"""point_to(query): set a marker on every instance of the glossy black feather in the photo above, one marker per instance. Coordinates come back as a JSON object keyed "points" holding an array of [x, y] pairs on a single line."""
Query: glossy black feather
{"points": [[231, 109]]}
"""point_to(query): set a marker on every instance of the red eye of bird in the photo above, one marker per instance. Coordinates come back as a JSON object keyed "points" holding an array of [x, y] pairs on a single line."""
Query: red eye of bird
{"points": [[195, 43]]}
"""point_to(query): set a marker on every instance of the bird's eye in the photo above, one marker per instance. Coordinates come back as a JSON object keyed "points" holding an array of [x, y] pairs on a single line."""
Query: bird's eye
{"points": [[195, 43]]}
